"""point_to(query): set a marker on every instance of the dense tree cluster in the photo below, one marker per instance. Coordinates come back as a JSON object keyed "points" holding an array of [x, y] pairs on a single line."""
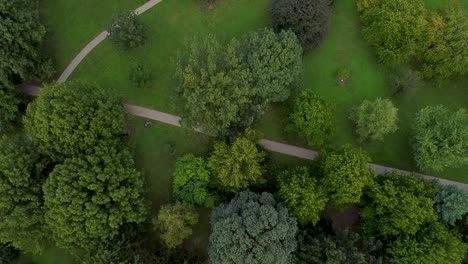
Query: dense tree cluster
{"points": [[72, 118], [9, 111], [127, 31], [313, 118], [375, 119], [22, 34], [440, 138], [252, 228], [224, 89]]}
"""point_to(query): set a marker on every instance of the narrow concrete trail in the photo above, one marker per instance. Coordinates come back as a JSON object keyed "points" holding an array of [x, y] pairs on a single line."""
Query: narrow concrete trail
{"points": [[273, 146], [96, 41]]}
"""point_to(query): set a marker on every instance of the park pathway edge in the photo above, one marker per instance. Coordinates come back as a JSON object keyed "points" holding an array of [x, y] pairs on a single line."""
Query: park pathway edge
{"points": [[273, 146]]}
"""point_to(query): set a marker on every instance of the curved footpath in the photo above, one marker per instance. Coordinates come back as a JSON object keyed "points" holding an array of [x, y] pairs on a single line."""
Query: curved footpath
{"points": [[267, 144], [96, 41]]}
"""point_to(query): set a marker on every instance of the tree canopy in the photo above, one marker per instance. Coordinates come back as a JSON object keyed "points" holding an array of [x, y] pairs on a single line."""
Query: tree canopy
{"points": [[345, 174], [9, 102], [252, 228], [308, 19], [21, 211], [88, 198], [127, 31], [375, 119], [223, 89], [20, 41], [175, 223], [440, 138], [191, 180], [302, 194], [395, 28], [398, 205], [71, 118], [313, 118], [434, 244], [451, 203], [239, 165]]}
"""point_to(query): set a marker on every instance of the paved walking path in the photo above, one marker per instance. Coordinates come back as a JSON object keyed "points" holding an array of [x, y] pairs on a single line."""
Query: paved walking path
{"points": [[267, 144], [96, 41]]}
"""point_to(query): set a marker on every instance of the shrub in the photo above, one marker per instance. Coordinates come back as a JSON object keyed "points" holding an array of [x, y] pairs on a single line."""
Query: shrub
{"points": [[140, 76], [406, 81], [127, 31], [308, 19], [375, 119]]}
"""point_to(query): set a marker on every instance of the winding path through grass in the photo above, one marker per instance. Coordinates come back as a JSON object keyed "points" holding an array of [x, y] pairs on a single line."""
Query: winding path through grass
{"points": [[274, 146]]}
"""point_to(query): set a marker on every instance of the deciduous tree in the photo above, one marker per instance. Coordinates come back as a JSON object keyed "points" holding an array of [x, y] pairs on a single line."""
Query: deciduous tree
{"points": [[127, 31], [21, 210], [440, 138], [252, 228], [175, 223], [302, 194], [22, 34], [345, 174], [239, 165], [312, 118], [191, 180], [90, 197], [375, 119], [398, 205], [308, 19], [434, 244], [9, 111], [69, 119]]}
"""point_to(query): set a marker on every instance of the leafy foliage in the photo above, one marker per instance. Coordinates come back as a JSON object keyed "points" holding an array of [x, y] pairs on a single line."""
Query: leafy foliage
{"points": [[223, 90], [375, 119], [312, 117], [174, 222], [239, 165], [20, 40], [127, 31], [21, 213], [71, 118], [406, 81], [252, 228], [451, 203], [440, 138], [434, 244], [140, 75], [345, 174], [395, 28], [8, 254], [317, 247], [89, 198], [307, 19], [398, 205], [9, 111], [448, 54], [191, 180], [302, 194]]}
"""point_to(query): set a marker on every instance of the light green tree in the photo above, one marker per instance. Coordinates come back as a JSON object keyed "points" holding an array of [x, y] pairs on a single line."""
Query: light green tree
{"points": [[375, 119], [191, 180], [440, 138], [345, 174], [398, 205], [252, 228], [175, 223], [238, 165], [21, 209], [302, 194], [90, 197], [433, 244], [312, 118], [69, 119]]}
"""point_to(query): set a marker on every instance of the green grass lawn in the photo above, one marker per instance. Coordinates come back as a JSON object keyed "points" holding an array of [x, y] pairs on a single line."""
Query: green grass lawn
{"points": [[172, 23]]}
